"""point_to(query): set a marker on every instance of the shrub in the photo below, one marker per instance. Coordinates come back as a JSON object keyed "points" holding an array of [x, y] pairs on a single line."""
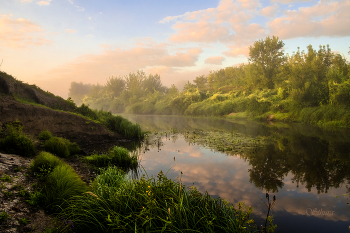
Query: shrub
{"points": [[61, 184], [45, 135], [57, 146], [117, 156], [17, 142], [44, 163]]}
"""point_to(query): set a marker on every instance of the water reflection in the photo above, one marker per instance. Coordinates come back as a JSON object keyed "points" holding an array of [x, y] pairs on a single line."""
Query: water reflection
{"points": [[308, 169]]}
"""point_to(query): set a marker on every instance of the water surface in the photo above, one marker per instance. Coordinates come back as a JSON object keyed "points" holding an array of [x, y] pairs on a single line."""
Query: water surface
{"points": [[306, 168]]}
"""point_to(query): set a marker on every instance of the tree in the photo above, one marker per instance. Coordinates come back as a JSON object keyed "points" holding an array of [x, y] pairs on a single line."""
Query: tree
{"points": [[77, 91], [201, 82], [266, 56], [188, 86], [115, 85]]}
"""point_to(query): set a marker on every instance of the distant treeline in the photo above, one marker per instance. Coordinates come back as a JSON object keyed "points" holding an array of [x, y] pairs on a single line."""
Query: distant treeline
{"points": [[270, 83]]}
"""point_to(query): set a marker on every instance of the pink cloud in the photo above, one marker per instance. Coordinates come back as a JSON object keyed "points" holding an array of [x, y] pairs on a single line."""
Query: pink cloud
{"points": [[269, 11], [237, 51], [20, 33], [43, 3], [214, 60], [202, 31], [70, 31], [323, 19]]}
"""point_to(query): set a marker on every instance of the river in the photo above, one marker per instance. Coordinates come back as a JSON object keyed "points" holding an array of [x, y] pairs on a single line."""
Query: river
{"points": [[306, 168]]}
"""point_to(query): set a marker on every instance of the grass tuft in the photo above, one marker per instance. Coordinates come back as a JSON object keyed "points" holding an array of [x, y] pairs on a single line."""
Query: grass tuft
{"points": [[16, 142], [61, 184], [45, 163], [61, 147], [117, 156], [116, 204]]}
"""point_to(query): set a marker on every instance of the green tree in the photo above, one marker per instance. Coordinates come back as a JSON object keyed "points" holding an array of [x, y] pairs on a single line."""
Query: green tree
{"points": [[266, 56], [201, 82], [115, 86]]}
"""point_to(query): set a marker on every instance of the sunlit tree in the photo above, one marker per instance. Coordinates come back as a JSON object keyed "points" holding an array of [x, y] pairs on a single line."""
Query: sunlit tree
{"points": [[266, 56]]}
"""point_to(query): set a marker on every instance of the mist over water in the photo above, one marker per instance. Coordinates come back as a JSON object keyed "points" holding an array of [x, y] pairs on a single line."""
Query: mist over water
{"points": [[306, 168]]}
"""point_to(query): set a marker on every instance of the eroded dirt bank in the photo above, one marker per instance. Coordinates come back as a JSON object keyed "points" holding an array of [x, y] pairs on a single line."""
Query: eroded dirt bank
{"points": [[90, 136]]}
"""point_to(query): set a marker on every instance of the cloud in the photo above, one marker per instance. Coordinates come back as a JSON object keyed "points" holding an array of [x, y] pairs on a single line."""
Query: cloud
{"points": [[93, 68], [70, 31], [214, 60], [89, 35], [26, 0], [70, 1], [269, 11], [288, 1], [323, 19], [235, 51], [229, 23], [44, 3], [20, 33]]}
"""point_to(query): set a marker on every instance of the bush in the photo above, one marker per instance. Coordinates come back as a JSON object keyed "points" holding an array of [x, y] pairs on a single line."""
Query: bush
{"points": [[45, 135], [61, 147], [45, 163], [118, 204], [117, 156], [17, 142], [61, 184], [57, 146]]}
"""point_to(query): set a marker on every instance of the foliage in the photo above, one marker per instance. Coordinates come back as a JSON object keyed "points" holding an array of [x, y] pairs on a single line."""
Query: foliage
{"points": [[266, 57], [62, 183], [61, 147], [57, 146], [117, 156], [24, 221], [17, 142], [272, 83], [118, 204], [6, 178], [45, 163], [45, 135], [114, 123], [4, 216]]}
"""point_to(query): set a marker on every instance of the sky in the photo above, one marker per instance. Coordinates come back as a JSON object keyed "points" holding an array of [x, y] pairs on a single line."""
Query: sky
{"points": [[52, 43]]}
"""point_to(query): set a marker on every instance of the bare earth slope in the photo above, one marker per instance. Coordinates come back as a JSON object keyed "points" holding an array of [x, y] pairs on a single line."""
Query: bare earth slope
{"points": [[89, 135]]}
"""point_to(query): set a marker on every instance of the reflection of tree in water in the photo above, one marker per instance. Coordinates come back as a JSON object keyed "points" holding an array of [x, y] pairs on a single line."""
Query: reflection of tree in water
{"points": [[313, 162], [268, 168]]}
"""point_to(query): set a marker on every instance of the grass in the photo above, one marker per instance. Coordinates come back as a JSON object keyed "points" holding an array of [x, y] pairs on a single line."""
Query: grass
{"points": [[45, 163], [61, 147], [4, 216], [116, 204], [57, 146], [114, 123], [6, 178], [61, 184], [24, 221], [16, 142], [45, 135], [117, 156]]}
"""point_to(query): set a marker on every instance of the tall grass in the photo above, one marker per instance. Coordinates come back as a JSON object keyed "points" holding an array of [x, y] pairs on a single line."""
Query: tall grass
{"points": [[16, 141], [61, 184], [114, 123], [117, 204], [61, 147], [117, 156], [45, 162]]}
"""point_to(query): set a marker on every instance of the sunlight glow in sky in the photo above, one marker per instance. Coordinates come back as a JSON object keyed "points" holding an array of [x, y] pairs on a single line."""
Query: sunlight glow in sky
{"points": [[54, 42]]}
